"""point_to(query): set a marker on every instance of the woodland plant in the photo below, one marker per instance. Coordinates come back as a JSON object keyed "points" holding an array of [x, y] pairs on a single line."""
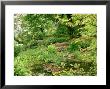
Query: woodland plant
{"points": [[55, 45]]}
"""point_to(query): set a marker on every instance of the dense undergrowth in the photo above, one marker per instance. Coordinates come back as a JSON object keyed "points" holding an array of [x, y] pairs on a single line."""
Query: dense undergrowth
{"points": [[62, 46]]}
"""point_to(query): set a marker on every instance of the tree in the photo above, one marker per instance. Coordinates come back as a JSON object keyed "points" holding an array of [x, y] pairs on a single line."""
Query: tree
{"points": [[37, 26]]}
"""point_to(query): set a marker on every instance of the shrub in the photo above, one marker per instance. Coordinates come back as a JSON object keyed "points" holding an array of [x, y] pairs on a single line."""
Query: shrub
{"points": [[31, 61], [51, 49], [62, 39], [62, 29], [21, 70], [55, 39], [73, 47], [17, 49], [26, 60]]}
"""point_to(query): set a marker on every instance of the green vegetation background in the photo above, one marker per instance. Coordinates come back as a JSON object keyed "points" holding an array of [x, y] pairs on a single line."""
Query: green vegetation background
{"points": [[55, 44]]}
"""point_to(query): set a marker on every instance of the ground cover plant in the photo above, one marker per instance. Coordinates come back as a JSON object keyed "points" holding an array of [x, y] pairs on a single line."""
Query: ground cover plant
{"points": [[55, 44]]}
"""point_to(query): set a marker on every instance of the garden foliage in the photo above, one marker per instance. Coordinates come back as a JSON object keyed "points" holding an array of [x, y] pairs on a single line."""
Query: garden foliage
{"points": [[55, 44]]}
